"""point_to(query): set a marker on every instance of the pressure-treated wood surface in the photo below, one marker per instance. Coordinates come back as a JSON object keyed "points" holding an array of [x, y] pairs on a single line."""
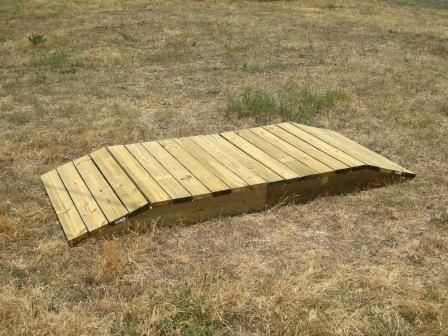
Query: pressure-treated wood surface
{"points": [[195, 178]]}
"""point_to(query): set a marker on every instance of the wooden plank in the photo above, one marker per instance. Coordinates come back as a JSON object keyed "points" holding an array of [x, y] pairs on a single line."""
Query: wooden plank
{"points": [[207, 178], [66, 212], [296, 153], [192, 212], [226, 157], [89, 210], [333, 184], [168, 182], [276, 153], [112, 183], [334, 141], [322, 145], [104, 196], [185, 177], [226, 175], [244, 159], [306, 148], [148, 186], [352, 148], [259, 155], [122, 185]]}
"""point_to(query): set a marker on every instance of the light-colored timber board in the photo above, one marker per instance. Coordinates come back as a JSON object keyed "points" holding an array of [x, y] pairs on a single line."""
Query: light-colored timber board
{"points": [[205, 176], [122, 185], [176, 169], [199, 177]]}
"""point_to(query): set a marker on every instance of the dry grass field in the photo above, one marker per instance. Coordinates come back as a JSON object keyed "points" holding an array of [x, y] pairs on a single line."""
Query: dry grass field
{"points": [[106, 72]]}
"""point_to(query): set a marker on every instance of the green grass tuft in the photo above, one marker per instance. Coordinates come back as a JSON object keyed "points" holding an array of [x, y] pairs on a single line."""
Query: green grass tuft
{"points": [[55, 59], [36, 39], [196, 329], [292, 103]]}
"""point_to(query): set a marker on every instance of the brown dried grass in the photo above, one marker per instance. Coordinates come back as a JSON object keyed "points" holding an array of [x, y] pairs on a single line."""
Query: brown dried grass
{"points": [[370, 263]]}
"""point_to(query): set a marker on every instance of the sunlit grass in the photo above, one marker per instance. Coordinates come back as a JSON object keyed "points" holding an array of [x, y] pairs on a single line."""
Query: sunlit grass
{"points": [[292, 103]]}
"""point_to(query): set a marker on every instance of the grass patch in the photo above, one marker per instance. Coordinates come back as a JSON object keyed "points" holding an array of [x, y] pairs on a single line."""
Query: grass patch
{"points": [[123, 329], [196, 329], [36, 38], [55, 59], [441, 4], [190, 314], [278, 65], [3, 38], [16, 118], [236, 47], [251, 68], [293, 270], [293, 103], [11, 8], [18, 275], [167, 57]]}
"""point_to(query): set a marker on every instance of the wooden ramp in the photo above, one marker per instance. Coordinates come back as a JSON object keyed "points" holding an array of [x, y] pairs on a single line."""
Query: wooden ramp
{"points": [[195, 178]]}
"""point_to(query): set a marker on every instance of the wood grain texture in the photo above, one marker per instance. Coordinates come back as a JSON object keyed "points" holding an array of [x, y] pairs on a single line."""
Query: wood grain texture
{"points": [[222, 172], [261, 156], [183, 175], [104, 195], [163, 177], [65, 209], [230, 161], [205, 176], [148, 186], [122, 185], [354, 149], [269, 148], [322, 145], [244, 159], [84, 201], [294, 152], [305, 147]]}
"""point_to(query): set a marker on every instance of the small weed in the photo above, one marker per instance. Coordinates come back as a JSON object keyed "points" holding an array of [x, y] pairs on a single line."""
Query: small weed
{"points": [[56, 59], [292, 103], [36, 39], [18, 275]]}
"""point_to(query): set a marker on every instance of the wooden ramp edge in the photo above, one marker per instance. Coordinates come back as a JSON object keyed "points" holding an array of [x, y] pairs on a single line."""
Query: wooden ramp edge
{"points": [[192, 179]]}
